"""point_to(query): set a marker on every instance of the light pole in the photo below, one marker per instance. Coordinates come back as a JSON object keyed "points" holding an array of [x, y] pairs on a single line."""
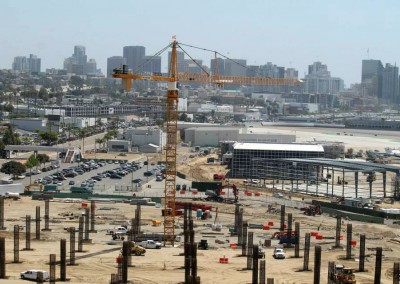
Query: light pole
{"points": [[147, 174]]}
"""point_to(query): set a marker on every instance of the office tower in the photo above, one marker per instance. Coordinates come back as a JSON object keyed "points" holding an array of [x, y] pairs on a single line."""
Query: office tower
{"points": [[91, 67], [134, 57], [194, 67], [390, 84], [319, 80], [114, 62], [371, 77], [80, 54], [220, 66], [291, 73], [235, 67], [152, 64]]}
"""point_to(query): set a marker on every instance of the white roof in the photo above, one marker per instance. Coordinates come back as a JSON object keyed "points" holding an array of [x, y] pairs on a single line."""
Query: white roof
{"points": [[279, 147]]}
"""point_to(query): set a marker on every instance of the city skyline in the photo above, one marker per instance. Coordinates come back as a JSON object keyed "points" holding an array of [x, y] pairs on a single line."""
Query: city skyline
{"points": [[292, 34]]}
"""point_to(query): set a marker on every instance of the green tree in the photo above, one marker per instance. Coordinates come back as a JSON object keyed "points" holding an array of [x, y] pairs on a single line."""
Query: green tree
{"points": [[13, 168], [43, 158], [10, 138], [99, 141], [77, 82], [49, 136], [30, 163], [9, 108], [43, 94]]}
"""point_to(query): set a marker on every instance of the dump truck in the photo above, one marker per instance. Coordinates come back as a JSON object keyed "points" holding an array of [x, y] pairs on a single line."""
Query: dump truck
{"points": [[137, 250]]}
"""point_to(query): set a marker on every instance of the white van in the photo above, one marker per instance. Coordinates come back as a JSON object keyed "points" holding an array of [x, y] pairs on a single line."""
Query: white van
{"points": [[35, 275]]}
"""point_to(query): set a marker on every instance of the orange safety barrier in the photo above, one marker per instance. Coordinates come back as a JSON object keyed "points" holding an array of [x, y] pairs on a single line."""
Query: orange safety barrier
{"points": [[319, 237], [233, 246], [182, 192], [257, 194], [222, 193], [270, 223], [313, 234], [223, 260], [249, 194], [265, 227], [353, 243], [194, 192], [341, 238], [84, 205]]}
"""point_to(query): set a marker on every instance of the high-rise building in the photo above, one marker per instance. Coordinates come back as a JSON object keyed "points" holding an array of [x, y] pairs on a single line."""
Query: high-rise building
{"points": [[152, 64], [390, 84], [20, 64], [34, 64], [91, 67], [24, 64], [319, 80], [291, 73], [114, 62], [194, 67], [235, 67], [371, 77], [220, 66], [134, 56], [80, 54]]}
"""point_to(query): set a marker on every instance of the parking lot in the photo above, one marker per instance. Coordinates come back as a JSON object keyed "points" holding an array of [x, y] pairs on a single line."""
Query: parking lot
{"points": [[103, 177]]}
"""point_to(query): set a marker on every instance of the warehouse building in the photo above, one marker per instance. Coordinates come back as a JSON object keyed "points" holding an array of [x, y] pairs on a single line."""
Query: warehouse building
{"points": [[212, 136], [261, 160]]}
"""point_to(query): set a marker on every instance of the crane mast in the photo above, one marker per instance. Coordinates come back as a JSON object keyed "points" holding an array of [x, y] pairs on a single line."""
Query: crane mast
{"points": [[170, 149]]}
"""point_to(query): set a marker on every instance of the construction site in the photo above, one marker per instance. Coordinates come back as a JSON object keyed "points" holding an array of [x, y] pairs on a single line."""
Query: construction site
{"points": [[287, 222]]}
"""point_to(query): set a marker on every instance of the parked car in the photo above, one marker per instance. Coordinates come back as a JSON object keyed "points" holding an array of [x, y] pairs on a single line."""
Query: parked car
{"points": [[71, 182], [279, 253]]}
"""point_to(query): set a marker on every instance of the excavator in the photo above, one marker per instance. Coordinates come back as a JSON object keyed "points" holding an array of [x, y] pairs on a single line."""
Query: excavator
{"points": [[217, 194]]}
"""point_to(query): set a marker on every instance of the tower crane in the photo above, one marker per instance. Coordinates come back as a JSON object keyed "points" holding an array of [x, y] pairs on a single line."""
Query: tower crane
{"points": [[172, 118]]}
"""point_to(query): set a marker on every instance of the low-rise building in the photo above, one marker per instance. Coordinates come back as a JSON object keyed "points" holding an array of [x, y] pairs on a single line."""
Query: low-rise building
{"points": [[118, 146]]}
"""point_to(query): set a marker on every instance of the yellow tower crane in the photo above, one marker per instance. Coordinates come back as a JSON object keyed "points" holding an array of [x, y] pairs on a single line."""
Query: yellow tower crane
{"points": [[172, 118]]}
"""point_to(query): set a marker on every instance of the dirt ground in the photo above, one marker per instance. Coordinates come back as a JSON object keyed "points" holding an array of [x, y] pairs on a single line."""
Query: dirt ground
{"points": [[97, 262]]}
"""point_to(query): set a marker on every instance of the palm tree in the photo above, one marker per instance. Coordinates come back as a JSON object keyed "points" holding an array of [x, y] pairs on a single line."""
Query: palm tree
{"points": [[81, 135], [98, 141]]}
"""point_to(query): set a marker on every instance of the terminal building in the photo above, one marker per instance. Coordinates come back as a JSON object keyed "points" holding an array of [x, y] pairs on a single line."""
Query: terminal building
{"points": [[261, 160]]}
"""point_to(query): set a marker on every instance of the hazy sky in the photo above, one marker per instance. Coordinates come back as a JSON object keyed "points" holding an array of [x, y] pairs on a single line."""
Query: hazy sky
{"points": [[290, 33]]}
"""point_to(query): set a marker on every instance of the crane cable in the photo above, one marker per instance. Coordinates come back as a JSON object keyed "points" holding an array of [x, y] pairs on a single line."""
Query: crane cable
{"points": [[214, 51], [201, 67], [140, 67]]}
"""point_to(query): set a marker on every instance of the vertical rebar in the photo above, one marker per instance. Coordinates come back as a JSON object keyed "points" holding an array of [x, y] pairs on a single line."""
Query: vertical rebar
{"points": [[250, 245], [63, 259], [396, 273], [282, 227], [2, 213], [236, 216], [28, 232], [378, 266], [331, 272], [71, 245], [244, 241], [255, 265], [132, 234], [348, 241], [262, 272], [52, 279], [2, 258], [317, 265], [37, 222], [125, 251], [362, 253], [80, 234], [194, 261], [306, 252], [270, 281], [289, 231], [114, 278], [297, 239], [87, 218], [92, 216], [46, 214], [16, 243], [138, 217], [338, 230], [240, 227], [187, 263]]}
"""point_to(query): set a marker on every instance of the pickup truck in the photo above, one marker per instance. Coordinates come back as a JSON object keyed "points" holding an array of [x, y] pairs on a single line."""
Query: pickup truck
{"points": [[117, 230], [149, 244]]}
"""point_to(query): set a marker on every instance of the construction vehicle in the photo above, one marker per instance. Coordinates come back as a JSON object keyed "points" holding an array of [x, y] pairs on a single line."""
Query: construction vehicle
{"points": [[136, 250], [33, 187], [217, 194], [284, 239], [312, 210], [203, 245], [344, 275], [172, 113]]}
